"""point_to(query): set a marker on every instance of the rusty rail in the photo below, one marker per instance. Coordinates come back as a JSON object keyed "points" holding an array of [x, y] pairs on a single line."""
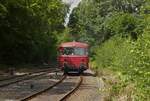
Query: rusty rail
{"points": [[73, 90]]}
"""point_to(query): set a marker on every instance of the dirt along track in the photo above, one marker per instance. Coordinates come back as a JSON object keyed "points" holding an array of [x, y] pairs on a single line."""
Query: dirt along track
{"points": [[89, 89], [23, 88]]}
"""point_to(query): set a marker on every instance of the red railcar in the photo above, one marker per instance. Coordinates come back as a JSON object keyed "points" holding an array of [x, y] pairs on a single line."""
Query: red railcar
{"points": [[73, 56]]}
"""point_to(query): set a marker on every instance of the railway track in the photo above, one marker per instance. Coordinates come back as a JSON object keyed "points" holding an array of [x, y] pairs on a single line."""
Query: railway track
{"points": [[73, 90], [17, 76], [63, 97], [42, 91], [28, 76]]}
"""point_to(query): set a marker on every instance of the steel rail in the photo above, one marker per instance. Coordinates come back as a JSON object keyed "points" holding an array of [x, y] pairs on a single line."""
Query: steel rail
{"points": [[44, 90], [30, 73], [26, 78], [9, 78], [73, 90]]}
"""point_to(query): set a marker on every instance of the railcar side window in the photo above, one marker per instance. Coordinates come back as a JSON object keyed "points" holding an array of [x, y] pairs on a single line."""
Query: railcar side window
{"points": [[86, 51]]}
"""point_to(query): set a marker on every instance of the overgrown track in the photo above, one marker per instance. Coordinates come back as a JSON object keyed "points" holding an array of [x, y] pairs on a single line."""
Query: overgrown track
{"points": [[42, 91], [73, 90], [28, 76]]}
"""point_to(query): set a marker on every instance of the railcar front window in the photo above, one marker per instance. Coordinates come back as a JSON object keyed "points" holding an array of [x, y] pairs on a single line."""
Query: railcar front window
{"points": [[79, 51], [68, 51]]}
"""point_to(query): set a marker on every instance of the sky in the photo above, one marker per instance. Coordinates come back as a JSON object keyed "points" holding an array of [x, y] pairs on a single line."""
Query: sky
{"points": [[73, 4]]}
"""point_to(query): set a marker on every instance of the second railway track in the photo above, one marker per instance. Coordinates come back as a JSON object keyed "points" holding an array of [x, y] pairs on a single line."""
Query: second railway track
{"points": [[20, 78], [25, 74], [26, 88]]}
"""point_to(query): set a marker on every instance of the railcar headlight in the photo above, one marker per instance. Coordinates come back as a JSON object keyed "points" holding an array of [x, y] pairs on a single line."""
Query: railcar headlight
{"points": [[83, 60], [65, 60]]}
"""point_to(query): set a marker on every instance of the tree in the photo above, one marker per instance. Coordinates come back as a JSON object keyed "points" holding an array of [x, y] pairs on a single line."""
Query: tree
{"points": [[28, 28]]}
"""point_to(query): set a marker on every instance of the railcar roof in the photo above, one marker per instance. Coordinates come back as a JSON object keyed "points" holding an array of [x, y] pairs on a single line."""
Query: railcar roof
{"points": [[74, 44]]}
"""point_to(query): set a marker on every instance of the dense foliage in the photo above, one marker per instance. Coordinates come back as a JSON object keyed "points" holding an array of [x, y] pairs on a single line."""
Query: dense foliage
{"points": [[118, 31], [95, 19], [28, 30]]}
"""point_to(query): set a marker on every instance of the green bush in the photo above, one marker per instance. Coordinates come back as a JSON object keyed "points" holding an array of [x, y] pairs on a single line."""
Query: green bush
{"points": [[131, 59]]}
